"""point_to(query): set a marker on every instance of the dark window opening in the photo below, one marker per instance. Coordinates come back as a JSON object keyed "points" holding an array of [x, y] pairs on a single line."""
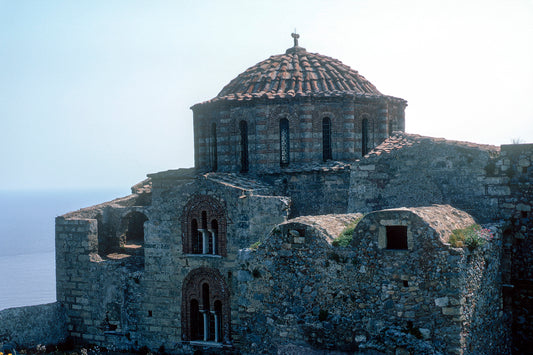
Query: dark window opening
{"points": [[195, 238], [244, 146], [135, 228], [405, 283], [284, 142], [214, 237], [149, 313], [364, 137], [524, 214], [396, 237], [326, 139], [196, 325], [214, 149]]}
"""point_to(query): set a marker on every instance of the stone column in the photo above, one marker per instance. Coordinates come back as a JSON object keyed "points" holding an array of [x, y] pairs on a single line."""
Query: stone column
{"points": [[214, 240], [205, 243], [205, 314]]}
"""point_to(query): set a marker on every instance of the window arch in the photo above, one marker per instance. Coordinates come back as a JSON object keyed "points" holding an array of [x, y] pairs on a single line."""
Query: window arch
{"points": [[214, 149], [364, 137], [203, 224], [205, 311], [243, 127], [326, 139], [284, 142]]}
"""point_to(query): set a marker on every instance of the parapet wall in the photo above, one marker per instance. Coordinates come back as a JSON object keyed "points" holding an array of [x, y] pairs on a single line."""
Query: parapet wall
{"points": [[27, 327]]}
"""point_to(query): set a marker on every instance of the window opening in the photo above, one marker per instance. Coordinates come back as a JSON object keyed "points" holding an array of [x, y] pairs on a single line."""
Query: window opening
{"points": [[196, 238], [214, 235], [214, 149], [396, 237], [284, 142], [364, 138], [326, 139], [244, 146], [196, 325]]}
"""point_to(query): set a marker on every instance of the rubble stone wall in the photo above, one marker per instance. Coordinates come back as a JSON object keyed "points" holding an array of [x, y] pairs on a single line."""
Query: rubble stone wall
{"points": [[410, 170], [425, 300], [30, 326]]}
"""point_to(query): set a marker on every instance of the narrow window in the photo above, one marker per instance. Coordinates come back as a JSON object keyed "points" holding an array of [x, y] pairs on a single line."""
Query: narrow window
{"points": [[244, 146], [214, 151], [284, 142], [364, 137], [396, 237], [196, 239], [326, 139], [196, 324], [213, 248]]}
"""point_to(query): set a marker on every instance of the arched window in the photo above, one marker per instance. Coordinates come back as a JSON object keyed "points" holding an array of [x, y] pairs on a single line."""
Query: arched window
{"points": [[214, 149], [203, 223], [205, 306], [284, 142], [243, 126], [364, 137], [326, 139]]}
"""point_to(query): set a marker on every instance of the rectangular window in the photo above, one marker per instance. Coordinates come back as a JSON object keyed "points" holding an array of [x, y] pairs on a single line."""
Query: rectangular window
{"points": [[396, 237]]}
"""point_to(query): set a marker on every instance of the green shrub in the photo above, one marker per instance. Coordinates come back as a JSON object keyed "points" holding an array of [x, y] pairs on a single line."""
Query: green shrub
{"points": [[255, 245], [345, 238], [471, 237]]}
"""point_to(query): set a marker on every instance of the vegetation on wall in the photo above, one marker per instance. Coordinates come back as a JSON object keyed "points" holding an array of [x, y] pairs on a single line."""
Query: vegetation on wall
{"points": [[345, 238], [472, 237]]}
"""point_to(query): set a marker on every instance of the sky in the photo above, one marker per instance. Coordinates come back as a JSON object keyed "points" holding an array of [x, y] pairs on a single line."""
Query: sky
{"points": [[97, 94]]}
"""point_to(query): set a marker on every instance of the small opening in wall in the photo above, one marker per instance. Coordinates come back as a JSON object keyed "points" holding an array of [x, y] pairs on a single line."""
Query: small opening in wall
{"points": [[149, 313], [524, 214], [405, 283], [524, 169], [396, 237]]}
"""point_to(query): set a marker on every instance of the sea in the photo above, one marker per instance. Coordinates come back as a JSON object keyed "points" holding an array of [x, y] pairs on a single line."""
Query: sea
{"points": [[27, 238]]}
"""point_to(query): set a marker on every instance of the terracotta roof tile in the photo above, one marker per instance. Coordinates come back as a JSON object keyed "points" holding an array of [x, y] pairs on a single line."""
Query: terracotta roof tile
{"points": [[297, 73]]}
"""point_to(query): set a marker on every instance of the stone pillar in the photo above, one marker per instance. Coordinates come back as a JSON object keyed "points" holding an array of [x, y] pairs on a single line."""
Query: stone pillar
{"points": [[205, 314], [214, 240], [205, 242]]}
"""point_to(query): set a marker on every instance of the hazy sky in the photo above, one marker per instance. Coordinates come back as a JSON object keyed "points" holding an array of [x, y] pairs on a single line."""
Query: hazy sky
{"points": [[97, 93]]}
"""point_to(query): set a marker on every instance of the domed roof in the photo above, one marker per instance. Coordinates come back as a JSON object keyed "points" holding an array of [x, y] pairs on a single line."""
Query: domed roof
{"points": [[297, 73]]}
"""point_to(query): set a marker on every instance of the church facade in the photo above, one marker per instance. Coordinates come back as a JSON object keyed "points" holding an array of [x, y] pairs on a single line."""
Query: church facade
{"points": [[241, 253]]}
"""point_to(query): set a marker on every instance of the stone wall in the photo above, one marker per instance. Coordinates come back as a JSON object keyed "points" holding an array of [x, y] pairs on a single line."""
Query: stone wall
{"points": [[26, 327], [305, 116], [411, 170], [319, 189], [516, 167], [427, 299]]}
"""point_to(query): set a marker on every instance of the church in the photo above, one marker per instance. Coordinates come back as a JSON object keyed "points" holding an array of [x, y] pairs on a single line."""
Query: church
{"points": [[245, 252]]}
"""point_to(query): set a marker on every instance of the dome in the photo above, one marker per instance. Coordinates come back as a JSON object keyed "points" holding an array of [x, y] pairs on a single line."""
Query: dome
{"points": [[297, 73]]}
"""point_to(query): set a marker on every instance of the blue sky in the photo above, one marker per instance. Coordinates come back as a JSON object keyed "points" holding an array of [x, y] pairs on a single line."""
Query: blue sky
{"points": [[96, 94]]}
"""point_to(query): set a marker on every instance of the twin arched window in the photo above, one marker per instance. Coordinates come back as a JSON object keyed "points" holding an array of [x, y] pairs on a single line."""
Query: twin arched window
{"points": [[205, 306], [204, 227]]}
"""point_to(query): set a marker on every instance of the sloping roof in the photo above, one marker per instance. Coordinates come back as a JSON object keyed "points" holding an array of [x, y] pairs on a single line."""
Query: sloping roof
{"points": [[297, 73], [399, 140], [329, 225]]}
